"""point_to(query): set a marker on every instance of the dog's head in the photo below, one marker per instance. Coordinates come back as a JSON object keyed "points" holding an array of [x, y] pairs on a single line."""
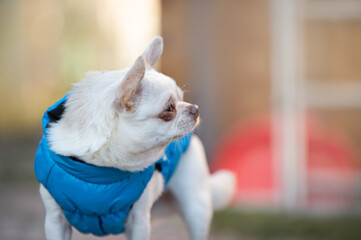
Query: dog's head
{"points": [[127, 113]]}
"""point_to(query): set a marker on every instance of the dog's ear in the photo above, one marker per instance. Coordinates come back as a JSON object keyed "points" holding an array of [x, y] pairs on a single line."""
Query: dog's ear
{"points": [[130, 87], [153, 51]]}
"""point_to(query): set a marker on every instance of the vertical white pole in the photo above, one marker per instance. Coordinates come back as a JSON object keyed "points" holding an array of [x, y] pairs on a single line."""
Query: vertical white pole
{"points": [[287, 111]]}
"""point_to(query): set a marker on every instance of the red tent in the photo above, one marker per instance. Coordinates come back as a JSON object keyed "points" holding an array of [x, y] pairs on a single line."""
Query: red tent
{"points": [[247, 151]]}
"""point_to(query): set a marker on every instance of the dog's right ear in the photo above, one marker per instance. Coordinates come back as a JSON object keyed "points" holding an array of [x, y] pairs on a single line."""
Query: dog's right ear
{"points": [[130, 87]]}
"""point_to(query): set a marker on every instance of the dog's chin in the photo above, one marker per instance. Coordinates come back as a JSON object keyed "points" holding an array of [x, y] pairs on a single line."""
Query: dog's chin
{"points": [[186, 132]]}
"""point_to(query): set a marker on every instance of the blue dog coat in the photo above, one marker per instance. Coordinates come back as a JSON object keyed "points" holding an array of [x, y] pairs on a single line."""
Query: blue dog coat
{"points": [[96, 199]]}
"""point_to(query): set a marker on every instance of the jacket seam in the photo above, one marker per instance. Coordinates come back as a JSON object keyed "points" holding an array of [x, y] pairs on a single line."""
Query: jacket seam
{"points": [[48, 175]]}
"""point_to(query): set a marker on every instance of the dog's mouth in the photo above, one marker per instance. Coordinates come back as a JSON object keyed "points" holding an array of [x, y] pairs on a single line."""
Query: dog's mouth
{"points": [[198, 120], [195, 125], [184, 132]]}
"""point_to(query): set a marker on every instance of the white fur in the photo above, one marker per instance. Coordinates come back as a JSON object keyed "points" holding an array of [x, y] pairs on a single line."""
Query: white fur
{"points": [[223, 188], [98, 128]]}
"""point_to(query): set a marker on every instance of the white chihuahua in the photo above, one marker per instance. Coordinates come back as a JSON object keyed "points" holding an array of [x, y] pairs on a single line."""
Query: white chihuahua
{"points": [[114, 143]]}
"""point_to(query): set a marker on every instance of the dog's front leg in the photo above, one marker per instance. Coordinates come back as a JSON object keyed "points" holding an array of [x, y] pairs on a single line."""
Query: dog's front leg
{"points": [[56, 225], [137, 226]]}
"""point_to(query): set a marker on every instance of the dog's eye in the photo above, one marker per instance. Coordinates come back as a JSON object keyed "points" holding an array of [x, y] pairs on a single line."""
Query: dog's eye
{"points": [[170, 108], [168, 113]]}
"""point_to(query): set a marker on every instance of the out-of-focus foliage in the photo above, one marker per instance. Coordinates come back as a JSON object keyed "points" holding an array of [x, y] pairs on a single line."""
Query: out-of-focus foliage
{"points": [[46, 45], [286, 226]]}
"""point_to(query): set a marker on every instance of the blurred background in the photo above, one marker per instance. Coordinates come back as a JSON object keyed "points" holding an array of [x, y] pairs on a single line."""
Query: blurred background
{"points": [[278, 83]]}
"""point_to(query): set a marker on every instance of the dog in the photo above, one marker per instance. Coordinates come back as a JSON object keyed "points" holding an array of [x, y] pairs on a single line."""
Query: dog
{"points": [[114, 143]]}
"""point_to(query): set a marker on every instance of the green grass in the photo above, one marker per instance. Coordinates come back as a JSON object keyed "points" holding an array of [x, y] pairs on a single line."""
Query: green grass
{"points": [[282, 226]]}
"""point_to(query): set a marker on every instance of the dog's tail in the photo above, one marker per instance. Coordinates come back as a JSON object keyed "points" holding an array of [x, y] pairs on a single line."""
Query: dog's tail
{"points": [[223, 184]]}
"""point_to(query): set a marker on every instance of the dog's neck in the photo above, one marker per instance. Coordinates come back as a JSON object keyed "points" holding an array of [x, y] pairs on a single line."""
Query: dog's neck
{"points": [[124, 154], [115, 149]]}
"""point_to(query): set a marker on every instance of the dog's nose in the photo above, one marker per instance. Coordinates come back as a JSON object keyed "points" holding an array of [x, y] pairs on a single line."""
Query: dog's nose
{"points": [[194, 110]]}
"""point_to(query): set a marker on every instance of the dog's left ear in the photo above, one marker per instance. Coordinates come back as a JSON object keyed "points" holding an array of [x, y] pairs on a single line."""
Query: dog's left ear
{"points": [[153, 51], [130, 87]]}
